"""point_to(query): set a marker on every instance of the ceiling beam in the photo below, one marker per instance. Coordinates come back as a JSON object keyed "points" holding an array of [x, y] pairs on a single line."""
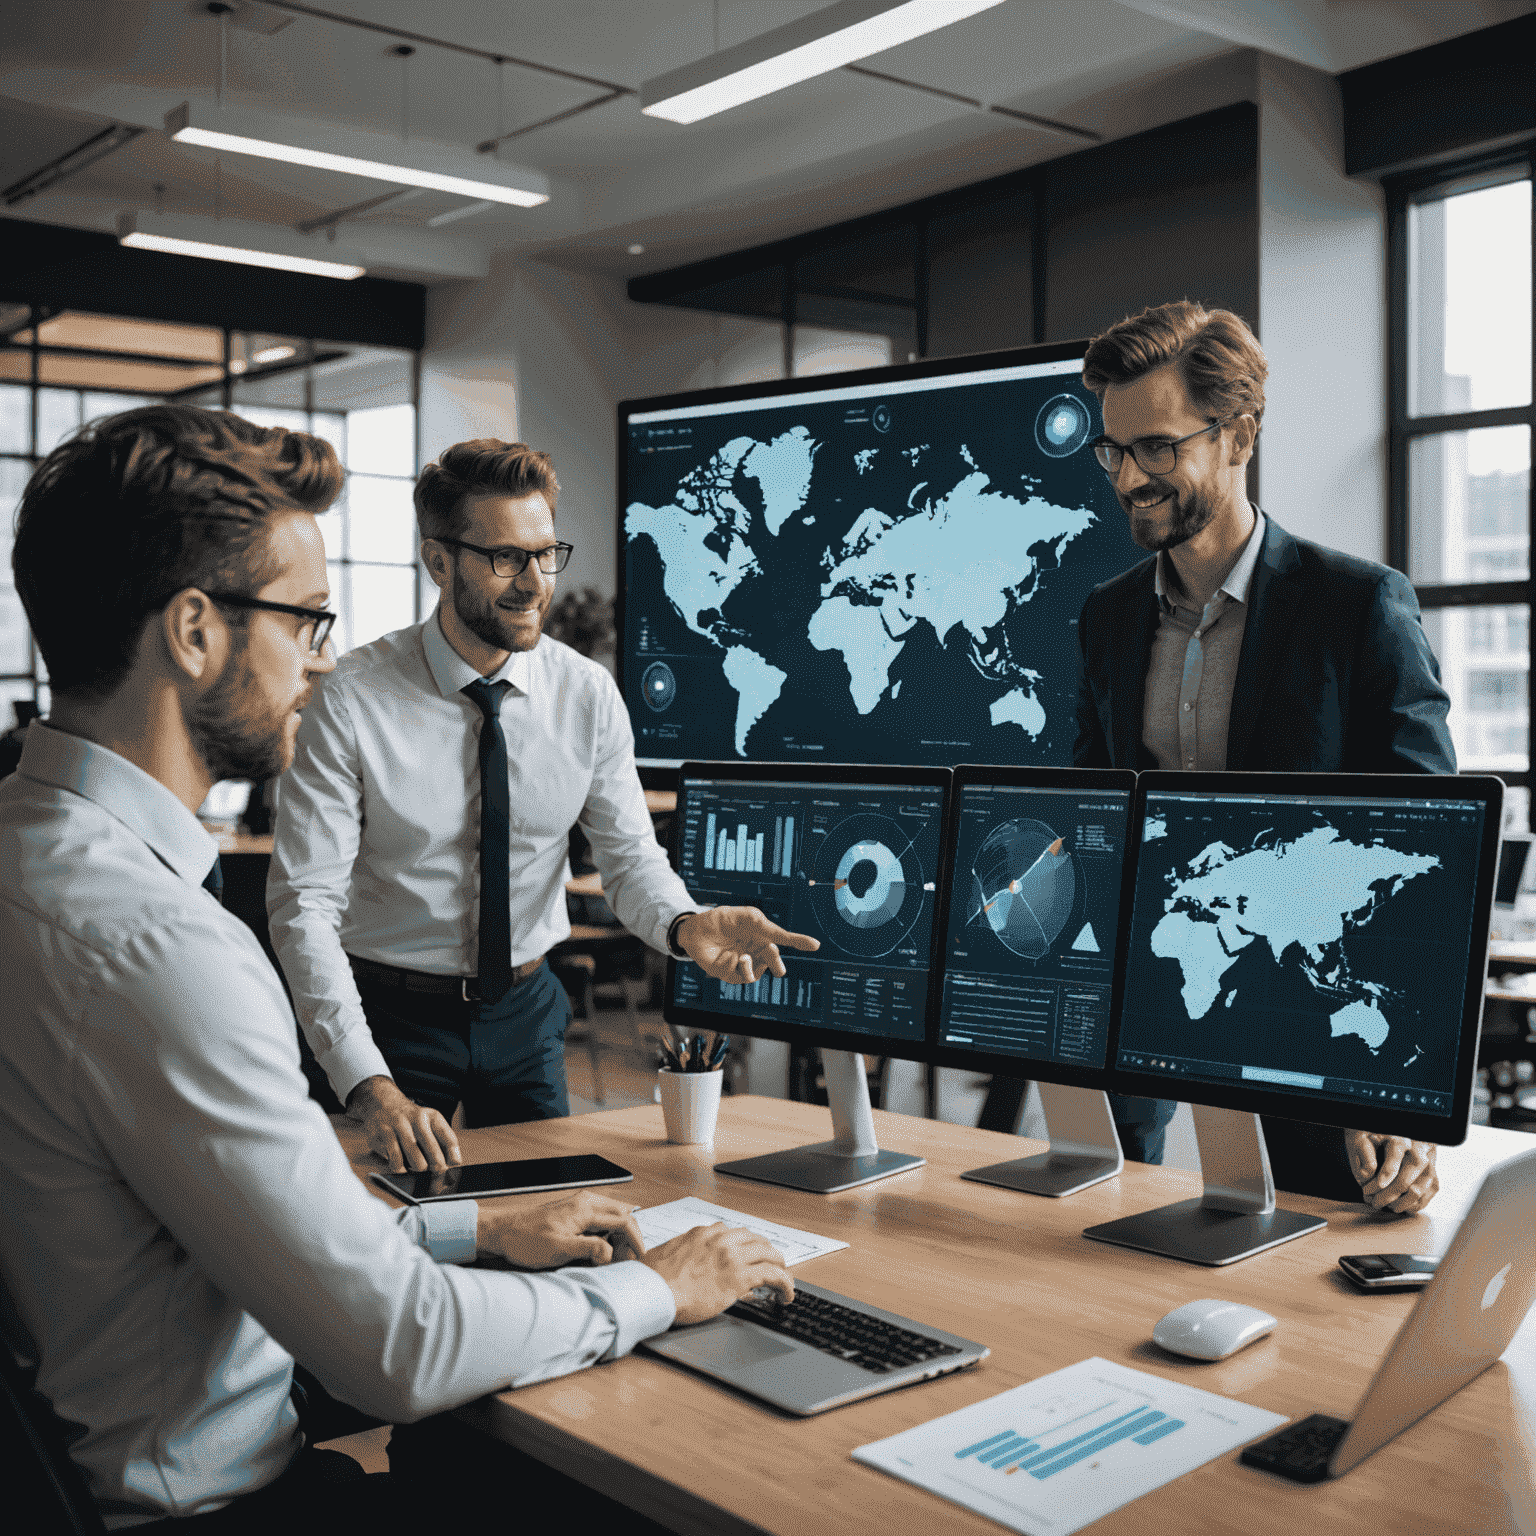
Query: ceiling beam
{"points": [[95, 148]]}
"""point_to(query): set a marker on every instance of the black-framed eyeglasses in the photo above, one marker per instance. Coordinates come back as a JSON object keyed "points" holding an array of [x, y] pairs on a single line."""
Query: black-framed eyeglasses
{"points": [[1155, 455], [509, 560], [320, 620]]}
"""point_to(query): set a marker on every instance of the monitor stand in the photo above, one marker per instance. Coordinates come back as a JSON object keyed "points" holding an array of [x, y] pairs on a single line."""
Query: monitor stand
{"points": [[851, 1158], [1235, 1218], [1085, 1148]]}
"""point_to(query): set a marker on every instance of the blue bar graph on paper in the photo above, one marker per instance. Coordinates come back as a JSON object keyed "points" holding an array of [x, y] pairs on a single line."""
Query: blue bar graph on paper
{"points": [[1167, 1427], [981, 1445], [1011, 1450], [1008, 1452], [1129, 1431]]}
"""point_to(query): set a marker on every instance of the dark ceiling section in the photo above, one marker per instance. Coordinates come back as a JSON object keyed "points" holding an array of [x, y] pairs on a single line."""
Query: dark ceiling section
{"points": [[1474, 92], [58, 268], [1055, 251]]}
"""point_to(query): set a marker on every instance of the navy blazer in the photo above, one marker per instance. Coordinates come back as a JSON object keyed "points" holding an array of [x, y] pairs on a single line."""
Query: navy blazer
{"points": [[1335, 674]]}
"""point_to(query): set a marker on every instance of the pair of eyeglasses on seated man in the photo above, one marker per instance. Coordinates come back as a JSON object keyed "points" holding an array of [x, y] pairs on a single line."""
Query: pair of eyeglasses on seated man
{"points": [[1156, 455], [318, 628], [509, 560]]}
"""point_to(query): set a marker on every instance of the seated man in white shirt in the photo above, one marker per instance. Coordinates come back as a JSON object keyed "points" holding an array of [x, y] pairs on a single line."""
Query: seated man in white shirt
{"points": [[180, 1220], [420, 864]]}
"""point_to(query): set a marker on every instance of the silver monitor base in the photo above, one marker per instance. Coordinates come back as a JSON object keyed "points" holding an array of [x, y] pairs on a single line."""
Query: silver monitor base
{"points": [[1197, 1234], [851, 1158], [1085, 1148], [1234, 1219], [822, 1168]]}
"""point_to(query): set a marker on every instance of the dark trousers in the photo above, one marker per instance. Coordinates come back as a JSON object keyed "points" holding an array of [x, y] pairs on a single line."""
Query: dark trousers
{"points": [[439, 1464], [1305, 1159], [504, 1061]]}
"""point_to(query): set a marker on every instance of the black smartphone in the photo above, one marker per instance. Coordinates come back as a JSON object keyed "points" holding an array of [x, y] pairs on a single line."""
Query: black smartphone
{"points": [[480, 1181], [1389, 1271]]}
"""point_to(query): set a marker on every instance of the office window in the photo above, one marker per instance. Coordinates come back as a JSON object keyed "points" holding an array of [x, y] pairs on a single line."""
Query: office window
{"points": [[59, 371], [1461, 446]]}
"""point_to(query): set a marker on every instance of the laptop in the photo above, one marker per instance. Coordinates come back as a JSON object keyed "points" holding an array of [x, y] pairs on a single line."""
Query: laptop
{"points": [[821, 1352], [1461, 1323]]}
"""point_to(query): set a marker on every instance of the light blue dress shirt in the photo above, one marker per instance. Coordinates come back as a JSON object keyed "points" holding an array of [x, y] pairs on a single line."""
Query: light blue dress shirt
{"points": [[179, 1219], [378, 824]]}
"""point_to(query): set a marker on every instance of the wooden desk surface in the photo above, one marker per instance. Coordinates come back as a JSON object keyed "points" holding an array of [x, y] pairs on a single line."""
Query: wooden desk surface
{"points": [[1014, 1271]]}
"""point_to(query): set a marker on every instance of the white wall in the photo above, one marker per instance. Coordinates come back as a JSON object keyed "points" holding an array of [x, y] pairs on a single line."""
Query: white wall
{"points": [[540, 355], [1322, 319]]}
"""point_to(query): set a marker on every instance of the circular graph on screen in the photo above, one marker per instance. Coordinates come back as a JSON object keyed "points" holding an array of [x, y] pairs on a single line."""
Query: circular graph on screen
{"points": [[1023, 885], [658, 687], [867, 885], [1062, 426]]}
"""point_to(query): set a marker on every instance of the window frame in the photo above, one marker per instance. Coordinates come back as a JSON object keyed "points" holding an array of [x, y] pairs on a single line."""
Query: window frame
{"points": [[1511, 163], [224, 387]]}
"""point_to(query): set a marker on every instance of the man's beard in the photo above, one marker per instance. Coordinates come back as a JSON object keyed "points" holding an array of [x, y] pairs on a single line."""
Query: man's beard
{"points": [[485, 622], [238, 733], [1187, 516]]}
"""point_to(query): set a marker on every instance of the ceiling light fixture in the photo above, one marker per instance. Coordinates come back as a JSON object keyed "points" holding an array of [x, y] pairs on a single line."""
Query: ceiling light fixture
{"points": [[825, 40], [272, 355], [357, 152], [236, 240]]}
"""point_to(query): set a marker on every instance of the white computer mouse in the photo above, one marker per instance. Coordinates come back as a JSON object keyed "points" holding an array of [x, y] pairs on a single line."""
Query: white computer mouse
{"points": [[1211, 1330]]}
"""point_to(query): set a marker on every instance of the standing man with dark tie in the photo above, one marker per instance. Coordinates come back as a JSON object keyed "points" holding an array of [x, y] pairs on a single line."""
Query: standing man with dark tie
{"points": [[1238, 646], [419, 872]]}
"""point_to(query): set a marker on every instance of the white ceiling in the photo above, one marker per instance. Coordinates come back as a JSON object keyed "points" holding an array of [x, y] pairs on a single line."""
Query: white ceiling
{"points": [[831, 148]]}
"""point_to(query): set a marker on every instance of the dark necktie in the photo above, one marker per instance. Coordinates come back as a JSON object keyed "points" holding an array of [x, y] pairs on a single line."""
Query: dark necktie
{"points": [[213, 881], [495, 948]]}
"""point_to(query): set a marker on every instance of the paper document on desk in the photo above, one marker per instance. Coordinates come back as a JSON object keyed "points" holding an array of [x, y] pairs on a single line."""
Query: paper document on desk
{"points": [[659, 1222], [1059, 1453]]}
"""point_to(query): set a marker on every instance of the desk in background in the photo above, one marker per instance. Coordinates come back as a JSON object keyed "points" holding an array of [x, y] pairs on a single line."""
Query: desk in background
{"points": [[1015, 1272]]}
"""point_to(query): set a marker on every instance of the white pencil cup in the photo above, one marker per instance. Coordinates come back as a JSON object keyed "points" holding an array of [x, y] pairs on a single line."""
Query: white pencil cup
{"points": [[690, 1105]]}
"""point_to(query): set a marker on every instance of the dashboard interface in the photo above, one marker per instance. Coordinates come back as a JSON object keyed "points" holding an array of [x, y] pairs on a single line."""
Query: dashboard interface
{"points": [[852, 865]]}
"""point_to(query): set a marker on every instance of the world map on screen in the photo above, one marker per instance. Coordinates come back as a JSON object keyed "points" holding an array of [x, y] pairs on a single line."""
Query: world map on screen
{"points": [[1302, 897], [888, 583]]}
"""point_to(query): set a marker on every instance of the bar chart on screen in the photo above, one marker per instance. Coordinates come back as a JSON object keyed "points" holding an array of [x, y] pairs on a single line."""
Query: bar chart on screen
{"points": [[775, 992], [1050, 1457], [744, 847]]}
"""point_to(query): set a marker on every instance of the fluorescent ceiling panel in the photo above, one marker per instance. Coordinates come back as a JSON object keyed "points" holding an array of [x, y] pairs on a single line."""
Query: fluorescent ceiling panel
{"points": [[823, 41], [236, 240], [358, 152]]}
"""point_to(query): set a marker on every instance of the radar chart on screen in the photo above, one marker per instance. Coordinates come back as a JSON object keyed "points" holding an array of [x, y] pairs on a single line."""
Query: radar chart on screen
{"points": [[867, 885], [1025, 888]]}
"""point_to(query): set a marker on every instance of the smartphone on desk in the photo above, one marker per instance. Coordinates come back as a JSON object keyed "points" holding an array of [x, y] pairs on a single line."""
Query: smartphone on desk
{"points": [[1389, 1271], [481, 1181]]}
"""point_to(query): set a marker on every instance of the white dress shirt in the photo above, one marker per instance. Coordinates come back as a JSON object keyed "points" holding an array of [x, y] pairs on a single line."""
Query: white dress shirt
{"points": [[179, 1218], [378, 824]]}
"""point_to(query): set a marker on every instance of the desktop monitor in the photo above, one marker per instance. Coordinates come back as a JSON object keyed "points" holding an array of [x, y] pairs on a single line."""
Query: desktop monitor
{"points": [[881, 566], [1310, 946], [1030, 930], [848, 855]]}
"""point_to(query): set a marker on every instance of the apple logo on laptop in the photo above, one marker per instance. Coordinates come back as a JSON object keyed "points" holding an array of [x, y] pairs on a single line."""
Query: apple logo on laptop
{"points": [[1496, 1285]]}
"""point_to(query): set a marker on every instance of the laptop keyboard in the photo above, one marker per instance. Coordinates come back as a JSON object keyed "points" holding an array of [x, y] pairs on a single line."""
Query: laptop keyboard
{"points": [[851, 1335]]}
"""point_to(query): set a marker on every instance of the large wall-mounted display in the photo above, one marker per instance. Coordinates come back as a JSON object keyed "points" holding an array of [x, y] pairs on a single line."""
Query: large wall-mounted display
{"points": [[887, 569]]}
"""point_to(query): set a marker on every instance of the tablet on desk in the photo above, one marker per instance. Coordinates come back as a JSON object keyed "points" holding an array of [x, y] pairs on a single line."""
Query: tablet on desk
{"points": [[480, 1181]]}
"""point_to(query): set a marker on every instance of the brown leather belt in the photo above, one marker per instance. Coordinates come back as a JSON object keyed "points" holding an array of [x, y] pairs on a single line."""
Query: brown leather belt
{"points": [[466, 988]]}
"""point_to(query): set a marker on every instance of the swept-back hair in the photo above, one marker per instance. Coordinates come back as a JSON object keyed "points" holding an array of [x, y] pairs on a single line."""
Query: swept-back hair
{"points": [[484, 467], [137, 507], [1218, 357]]}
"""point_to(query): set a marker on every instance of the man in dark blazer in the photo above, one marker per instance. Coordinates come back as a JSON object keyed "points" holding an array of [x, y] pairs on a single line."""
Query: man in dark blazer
{"points": [[1238, 646]]}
